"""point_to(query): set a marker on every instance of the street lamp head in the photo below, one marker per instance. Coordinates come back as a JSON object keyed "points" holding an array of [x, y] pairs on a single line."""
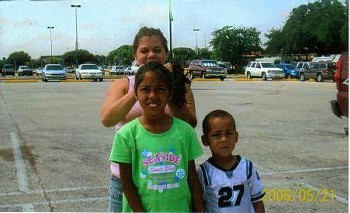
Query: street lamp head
{"points": [[50, 27], [75, 5], [196, 29]]}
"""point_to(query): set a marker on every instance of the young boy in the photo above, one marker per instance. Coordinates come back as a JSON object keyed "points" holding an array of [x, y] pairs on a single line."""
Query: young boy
{"points": [[230, 182], [156, 151]]}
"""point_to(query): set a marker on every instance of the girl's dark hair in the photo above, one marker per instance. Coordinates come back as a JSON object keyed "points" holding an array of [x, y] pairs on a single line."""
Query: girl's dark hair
{"points": [[156, 67], [145, 31], [219, 113]]}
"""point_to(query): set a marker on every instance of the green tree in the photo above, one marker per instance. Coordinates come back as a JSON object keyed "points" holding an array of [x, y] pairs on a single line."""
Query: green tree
{"points": [[230, 43], [320, 27], [80, 57], [18, 58], [122, 55], [183, 55], [276, 42]]}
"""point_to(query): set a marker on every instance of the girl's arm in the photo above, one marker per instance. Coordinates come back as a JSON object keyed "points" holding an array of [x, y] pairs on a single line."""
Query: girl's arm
{"points": [[117, 103], [195, 188], [129, 188], [259, 207], [186, 112]]}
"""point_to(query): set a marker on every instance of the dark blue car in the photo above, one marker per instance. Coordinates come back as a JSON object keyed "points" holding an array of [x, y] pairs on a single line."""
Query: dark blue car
{"points": [[289, 70]]}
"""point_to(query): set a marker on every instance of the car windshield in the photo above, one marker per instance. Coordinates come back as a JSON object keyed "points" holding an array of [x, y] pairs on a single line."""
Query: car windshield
{"points": [[8, 67], [268, 65], [54, 67], [210, 64], [24, 67], [89, 67]]}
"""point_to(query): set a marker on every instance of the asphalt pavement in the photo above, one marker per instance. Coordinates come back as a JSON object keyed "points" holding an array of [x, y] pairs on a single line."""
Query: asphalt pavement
{"points": [[54, 150]]}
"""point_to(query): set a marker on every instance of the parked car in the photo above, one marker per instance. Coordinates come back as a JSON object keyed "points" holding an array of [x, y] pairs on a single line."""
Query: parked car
{"points": [[263, 70], [69, 69], [88, 71], [8, 70], [288, 70], [206, 69], [318, 71], [38, 71], [24, 70], [132, 69], [340, 107], [117, 70], [53, 72]]}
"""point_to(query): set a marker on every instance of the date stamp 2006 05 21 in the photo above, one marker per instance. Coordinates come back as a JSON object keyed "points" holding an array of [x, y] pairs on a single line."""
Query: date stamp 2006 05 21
{"points": [[299, 195]]}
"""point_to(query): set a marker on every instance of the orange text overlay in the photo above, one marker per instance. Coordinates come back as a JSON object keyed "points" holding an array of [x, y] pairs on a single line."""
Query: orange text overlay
{"points": [[299, 195]]}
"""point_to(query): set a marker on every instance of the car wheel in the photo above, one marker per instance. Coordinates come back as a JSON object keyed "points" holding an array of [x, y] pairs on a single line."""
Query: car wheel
{"points": [[264, 78], [249, 76], [319, 78], [302, 77], [95, 79], [101, 79], [222, 78]]}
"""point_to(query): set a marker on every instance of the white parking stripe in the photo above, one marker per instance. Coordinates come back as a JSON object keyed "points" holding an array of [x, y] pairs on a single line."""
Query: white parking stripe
{"points": [[306, 170], [22, 176]]}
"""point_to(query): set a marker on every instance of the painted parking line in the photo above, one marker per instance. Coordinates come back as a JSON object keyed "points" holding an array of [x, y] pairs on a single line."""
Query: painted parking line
{"points": [[22, 176], [21, 172]]}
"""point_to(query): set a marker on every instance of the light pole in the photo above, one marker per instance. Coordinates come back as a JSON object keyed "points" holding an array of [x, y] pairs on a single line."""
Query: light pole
{"points": [[75, 6], [50, 28], [196, 30]]}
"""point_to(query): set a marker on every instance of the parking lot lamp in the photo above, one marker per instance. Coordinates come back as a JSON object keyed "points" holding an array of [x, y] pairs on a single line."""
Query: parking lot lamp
{"points": [[75, 6], [50, 28], [196, 30]]}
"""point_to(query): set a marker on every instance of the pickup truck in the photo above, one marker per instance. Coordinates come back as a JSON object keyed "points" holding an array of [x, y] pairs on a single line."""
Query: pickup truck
{"points": [[263, 70], [340, 106]]}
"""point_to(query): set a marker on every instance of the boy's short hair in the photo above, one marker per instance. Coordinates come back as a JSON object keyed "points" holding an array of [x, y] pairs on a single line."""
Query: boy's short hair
{"points": [[156, 67], [219, 113]]}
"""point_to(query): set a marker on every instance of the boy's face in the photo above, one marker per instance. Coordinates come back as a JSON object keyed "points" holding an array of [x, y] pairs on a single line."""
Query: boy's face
{"points": [[221, 138], [153, 94]]}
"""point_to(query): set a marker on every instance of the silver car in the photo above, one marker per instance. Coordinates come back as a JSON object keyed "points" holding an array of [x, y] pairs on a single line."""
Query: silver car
{"points": [[53, 72], [88, 71]]}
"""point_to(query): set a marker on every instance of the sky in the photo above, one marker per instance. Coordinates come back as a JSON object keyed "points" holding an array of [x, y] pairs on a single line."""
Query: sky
{"points": [[105, 25]]}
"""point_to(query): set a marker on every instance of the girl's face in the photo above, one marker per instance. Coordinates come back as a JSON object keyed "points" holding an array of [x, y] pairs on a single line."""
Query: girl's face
{"points": [[150, 48], [153, 94], [222, 137]]}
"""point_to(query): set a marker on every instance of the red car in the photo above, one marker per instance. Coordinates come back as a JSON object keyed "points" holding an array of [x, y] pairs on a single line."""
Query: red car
{"points": [[340, 107]]}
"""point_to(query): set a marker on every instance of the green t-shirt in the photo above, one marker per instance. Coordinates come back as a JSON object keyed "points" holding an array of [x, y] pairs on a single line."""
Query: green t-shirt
{"points": [[159, 164]]}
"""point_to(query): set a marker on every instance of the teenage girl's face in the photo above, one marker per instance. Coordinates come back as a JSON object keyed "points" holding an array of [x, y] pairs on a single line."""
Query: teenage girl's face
{"points": [[222, 137], [153, 94], [150, 49]]}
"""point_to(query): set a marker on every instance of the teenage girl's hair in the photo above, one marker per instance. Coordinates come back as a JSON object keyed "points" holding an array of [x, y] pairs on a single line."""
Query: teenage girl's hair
{"points": [[219, 113], [145, 31], [158, 68]]}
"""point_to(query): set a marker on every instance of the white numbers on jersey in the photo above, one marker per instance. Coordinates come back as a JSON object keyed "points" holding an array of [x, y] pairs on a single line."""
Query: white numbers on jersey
{"points": [[229, 195]]}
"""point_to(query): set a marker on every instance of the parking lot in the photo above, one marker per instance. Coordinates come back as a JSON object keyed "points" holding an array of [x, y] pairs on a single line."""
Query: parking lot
{"points": [[54, 151]]}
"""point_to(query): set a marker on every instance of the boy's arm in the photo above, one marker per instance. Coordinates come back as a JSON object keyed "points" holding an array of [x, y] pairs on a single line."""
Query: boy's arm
{"points": [[195, 188], [129, 188], [259, 207]]}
